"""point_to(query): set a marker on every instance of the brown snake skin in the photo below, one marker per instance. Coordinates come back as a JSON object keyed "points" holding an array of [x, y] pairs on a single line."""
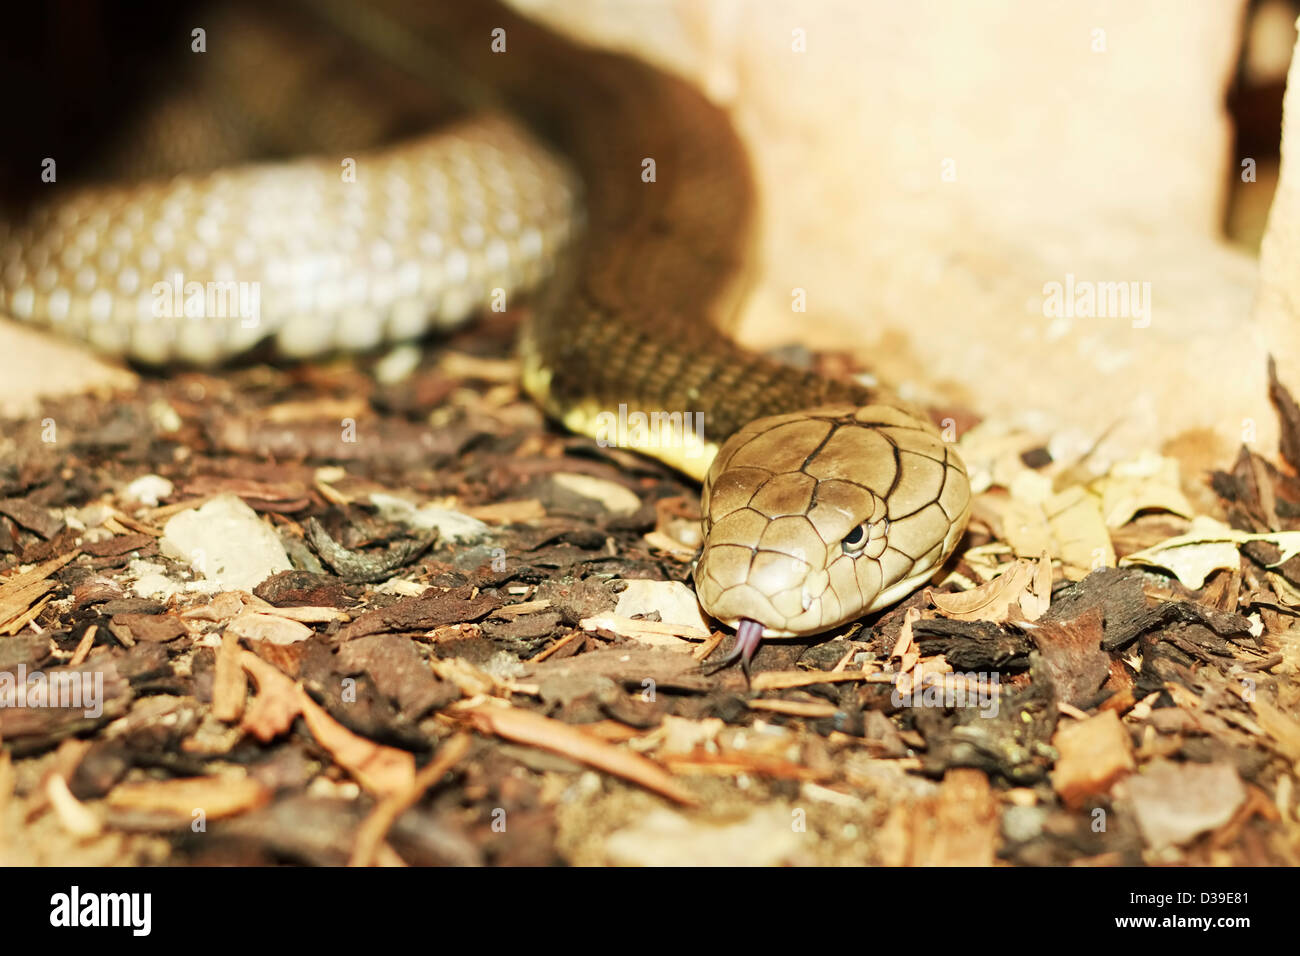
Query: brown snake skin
{"points": [[834, 507]]}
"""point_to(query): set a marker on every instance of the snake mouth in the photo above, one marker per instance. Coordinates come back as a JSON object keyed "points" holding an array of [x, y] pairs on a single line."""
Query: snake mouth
{"points": [[749, 634]]}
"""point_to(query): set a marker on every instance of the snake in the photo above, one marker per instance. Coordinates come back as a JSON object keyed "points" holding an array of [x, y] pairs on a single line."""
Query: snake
{"points": [[613, 196]]}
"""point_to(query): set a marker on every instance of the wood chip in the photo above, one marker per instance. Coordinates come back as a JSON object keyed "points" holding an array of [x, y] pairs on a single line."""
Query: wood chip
{"points": [[83, 646], [18, 592], [956, 827], [216, 797], [783, 680], [74, 816], [526, 727], [371, 833], [1094, 753], [795, 708], [381, 770], [508, 512], [229, 686], [1174, 803], [648, 632], [153, 628], [268, 627], [32, 517], [1281, 727], [729, 763]]}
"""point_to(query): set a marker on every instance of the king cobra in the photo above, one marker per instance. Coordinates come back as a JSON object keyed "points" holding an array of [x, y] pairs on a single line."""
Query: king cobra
{"points": [[822, 500]]}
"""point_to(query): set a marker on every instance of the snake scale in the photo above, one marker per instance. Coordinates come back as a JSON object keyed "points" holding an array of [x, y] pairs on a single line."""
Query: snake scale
{"points": [[822, 500]]}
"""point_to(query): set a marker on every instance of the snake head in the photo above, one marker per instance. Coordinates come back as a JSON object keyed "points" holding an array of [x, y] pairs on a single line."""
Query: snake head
{"points": [[813, 519]]}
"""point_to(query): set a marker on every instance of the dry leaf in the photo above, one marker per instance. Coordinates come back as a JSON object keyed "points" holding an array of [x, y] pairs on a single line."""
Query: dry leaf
{"points": [[1209, 545], [904, 642], [1020, 585], [1082, 541], [508, 512], [1149, 482], [1067, 525], [471, 681], [1176, 802], [673, 601]]}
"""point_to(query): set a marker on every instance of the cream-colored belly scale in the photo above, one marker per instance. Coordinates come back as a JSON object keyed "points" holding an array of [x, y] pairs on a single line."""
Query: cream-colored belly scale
{"points": [[313, 256]]}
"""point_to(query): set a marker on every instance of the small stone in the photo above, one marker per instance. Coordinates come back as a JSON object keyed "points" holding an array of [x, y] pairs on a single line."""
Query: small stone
{"points": [[1022, 824], [149, 490]]}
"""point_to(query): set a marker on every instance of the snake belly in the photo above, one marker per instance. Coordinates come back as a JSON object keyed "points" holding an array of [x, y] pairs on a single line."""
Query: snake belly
{"points": [[630, 194]]}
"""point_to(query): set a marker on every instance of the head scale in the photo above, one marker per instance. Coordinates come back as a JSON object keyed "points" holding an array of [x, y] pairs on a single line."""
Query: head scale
{"points": [[815, 518]]}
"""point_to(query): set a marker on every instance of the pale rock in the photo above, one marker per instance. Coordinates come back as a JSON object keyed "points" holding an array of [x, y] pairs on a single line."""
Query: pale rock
{"points": [[227, 543]]}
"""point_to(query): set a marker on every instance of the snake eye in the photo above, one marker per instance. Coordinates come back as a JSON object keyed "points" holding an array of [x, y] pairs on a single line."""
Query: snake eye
{"points": [[869, 538]]}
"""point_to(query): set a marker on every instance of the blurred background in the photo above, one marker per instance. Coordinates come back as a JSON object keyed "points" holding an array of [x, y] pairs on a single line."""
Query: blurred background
{"points": [[927, 172], [1254, 101]]}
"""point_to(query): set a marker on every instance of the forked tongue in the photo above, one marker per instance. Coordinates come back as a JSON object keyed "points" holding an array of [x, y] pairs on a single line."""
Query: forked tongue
{"points": [[749, 634]]}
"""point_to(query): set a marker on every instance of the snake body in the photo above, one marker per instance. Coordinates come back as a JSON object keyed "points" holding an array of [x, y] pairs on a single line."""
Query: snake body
{"points": [[821, 500]]}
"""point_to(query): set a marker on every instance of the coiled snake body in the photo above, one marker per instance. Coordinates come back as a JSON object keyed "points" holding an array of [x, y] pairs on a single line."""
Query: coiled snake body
{"points": [[821, 501]]}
